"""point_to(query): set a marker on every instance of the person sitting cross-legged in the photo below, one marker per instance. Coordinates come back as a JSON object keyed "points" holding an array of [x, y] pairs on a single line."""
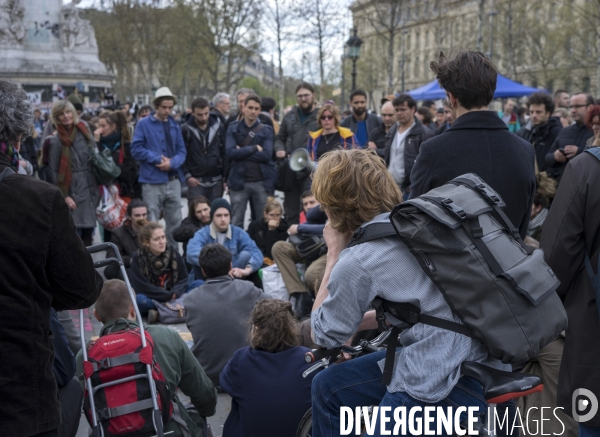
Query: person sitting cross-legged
{"points": [[267, 376], [115, 311], [246, 256], [157, 271], [217, 312]]}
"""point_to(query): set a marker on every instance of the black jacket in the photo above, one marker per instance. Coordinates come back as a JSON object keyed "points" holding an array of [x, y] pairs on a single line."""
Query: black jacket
{"points": [[541, 137], [574, 135], [571, 231], [378, 136], [479, 142], [373, 122], [204, 161], [264, 238], [412, 144], [130, 169], [44, 264], [292, 133]]}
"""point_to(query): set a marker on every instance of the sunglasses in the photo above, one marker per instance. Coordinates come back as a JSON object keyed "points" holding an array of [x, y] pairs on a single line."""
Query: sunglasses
{"points": [[327, 117]]}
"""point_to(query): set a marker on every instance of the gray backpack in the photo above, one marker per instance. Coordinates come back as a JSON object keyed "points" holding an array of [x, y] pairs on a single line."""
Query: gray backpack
{"points": [[504, 295]]}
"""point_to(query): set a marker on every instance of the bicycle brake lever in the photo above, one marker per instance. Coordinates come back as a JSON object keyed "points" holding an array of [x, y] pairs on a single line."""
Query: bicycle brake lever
{"points": [[323, 363]]}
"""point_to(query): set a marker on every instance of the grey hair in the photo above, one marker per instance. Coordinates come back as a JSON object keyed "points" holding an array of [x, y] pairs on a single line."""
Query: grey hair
{"points": [[16, 116], [219, 97], [59, 108], [248, 91]]}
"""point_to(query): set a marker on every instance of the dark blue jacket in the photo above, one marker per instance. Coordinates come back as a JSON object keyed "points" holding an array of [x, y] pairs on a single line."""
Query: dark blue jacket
{"points": [[269, 394], [236, 133], [149, 145]]}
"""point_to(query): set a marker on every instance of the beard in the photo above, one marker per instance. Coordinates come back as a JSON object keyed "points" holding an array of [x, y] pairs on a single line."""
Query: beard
{"points": [[359, 111], [306, 107]]}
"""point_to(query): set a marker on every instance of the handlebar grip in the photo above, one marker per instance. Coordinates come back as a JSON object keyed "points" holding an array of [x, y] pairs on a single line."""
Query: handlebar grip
{"points": [[318, 354], [102, 246]]}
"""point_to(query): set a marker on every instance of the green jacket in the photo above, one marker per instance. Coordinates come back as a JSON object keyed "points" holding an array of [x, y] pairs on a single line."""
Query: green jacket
{"points": [[181, 369]]}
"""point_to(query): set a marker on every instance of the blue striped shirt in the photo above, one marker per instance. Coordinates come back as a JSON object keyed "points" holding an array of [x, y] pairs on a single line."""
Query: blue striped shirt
{"points": [[428, 367]]}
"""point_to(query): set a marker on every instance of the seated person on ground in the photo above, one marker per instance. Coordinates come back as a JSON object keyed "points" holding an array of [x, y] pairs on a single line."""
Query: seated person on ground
{"points": [[267, 376], [286, 256], [246, 256], [198, 217], [115, 309], [308, 201], [270, 229], [157, 270], [125, 237], [217, 312]]}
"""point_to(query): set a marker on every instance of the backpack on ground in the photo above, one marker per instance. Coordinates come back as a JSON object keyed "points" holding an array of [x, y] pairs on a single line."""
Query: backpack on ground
{"points": [[504, 296], [123, 400]]}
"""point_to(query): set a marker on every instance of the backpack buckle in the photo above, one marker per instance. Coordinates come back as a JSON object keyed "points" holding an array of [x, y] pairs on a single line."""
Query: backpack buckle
{"points": [[487, 193], [456, 211]]}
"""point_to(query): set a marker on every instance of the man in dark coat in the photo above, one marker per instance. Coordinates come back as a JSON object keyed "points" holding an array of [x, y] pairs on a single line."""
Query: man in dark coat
{"points": [[44, 264], [478, 142], [377, 138], [542, 129], [571, 141], [570, 234], [360, 122]]}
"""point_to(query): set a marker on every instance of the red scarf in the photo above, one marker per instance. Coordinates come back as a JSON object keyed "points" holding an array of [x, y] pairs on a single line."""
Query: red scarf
{"points": [[67, 137]]}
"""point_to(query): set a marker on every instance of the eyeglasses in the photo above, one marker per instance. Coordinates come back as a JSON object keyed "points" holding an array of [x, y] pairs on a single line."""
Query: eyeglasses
{"points": [[326, 117], [576, 106], [303, 96]]}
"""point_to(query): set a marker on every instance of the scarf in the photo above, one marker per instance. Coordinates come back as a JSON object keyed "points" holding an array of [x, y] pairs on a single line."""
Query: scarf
{"points": [[162, 270], [67, 136], [112, 142], [12, 154], [537, 221]]}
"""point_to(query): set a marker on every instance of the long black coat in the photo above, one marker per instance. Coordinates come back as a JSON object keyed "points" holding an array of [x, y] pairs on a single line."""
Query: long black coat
{"points": [[44, 264], [572, 229], [479, 142], [574, 135]]}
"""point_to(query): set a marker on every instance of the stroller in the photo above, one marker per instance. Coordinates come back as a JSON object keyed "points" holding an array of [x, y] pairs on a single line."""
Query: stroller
{"points": [[126, 394]]}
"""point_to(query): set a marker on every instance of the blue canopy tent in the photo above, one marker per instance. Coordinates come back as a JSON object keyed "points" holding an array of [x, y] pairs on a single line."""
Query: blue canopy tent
{"points": [[504, 88]]}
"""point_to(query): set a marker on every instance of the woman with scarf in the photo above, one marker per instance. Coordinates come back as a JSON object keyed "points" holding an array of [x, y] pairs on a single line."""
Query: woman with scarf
{"points": [[69, 162], [157, 271], [113, 133]]}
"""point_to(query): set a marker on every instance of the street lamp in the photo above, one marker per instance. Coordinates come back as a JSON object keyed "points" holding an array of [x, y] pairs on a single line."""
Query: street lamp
{"points": [[353, 52]]}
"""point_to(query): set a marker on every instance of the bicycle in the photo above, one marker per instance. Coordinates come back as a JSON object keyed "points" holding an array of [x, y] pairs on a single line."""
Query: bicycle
{"points": [[498, 386]]}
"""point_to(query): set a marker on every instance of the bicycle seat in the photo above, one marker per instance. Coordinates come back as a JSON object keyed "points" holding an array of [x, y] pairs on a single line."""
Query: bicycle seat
{"points": [[499, 386]]}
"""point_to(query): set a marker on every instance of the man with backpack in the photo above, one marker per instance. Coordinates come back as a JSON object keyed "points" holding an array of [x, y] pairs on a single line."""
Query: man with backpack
{"points": [[358, 193], [115, 310]]}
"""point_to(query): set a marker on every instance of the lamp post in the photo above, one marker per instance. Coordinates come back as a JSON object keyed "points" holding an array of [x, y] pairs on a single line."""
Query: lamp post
{"points": [[353, 49], [343, 98], [403, 62]]}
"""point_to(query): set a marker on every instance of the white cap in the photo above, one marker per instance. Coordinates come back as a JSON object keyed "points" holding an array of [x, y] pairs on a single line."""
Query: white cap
{"points": [[163, 92]]}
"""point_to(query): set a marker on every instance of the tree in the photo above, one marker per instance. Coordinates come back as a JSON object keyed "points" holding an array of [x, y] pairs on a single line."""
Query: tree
{"points": [[385, 19], [588, 33], [232, 39]]}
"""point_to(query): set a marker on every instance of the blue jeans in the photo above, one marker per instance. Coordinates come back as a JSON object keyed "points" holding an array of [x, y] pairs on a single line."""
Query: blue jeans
{"points": [[144, 304], [254, 192], [588, 431], [241, 260], [358, 383]]}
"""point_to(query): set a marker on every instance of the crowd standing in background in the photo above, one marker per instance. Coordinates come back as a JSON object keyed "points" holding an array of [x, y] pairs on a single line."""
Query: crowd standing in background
{"points": [[231, 166]]}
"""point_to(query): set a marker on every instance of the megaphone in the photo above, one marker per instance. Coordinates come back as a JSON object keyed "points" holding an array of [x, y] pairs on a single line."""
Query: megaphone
{"points": [[300, 160]]}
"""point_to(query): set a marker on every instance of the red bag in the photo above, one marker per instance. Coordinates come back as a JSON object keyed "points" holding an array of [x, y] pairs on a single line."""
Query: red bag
{"points": [[111, 210], [125, 409]]}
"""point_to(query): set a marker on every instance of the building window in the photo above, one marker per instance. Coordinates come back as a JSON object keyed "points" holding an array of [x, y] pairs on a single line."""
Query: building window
{"points": [[417, 65]]}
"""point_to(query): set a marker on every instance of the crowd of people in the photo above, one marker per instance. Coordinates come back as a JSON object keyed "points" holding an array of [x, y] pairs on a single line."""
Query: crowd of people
{"points": [[244, 341]]}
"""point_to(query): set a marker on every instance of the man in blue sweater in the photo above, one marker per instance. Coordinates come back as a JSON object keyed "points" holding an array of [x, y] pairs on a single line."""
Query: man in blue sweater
{"points": [[246, 256], [158, 147]]}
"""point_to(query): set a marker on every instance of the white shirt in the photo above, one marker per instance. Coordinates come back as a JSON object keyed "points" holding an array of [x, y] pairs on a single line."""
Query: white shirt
{"points": [[396, 166]]}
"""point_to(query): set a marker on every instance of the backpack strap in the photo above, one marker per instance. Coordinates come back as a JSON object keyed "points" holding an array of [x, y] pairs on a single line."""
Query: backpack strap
{"points": [[250, 136], [372, 232], [6, 172]]}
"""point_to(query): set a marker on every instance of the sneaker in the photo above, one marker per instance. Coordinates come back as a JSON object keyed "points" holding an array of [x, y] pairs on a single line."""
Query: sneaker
{"points": [[152, 316]]}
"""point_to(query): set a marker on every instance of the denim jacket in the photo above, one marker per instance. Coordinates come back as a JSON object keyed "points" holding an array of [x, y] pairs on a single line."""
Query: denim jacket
{"points": [[236, 241], [149, 145]]}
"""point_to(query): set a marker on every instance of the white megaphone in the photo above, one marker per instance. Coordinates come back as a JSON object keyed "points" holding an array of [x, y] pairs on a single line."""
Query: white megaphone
{"points": [[300, 160]]}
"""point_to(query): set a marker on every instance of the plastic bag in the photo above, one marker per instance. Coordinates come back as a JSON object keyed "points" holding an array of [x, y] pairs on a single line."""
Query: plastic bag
{"points": [[111, 209], [273, 284]]}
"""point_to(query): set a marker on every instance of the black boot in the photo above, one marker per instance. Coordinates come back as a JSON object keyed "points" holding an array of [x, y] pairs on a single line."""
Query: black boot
{"points": [[301, 304]]}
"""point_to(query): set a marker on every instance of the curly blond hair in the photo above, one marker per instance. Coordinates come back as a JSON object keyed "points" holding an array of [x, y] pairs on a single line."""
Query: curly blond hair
{"points": [[353, 186]]}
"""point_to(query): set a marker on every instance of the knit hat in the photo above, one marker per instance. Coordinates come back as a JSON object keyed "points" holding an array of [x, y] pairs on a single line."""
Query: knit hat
{"points": [[219, 203], [76, 101]]}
